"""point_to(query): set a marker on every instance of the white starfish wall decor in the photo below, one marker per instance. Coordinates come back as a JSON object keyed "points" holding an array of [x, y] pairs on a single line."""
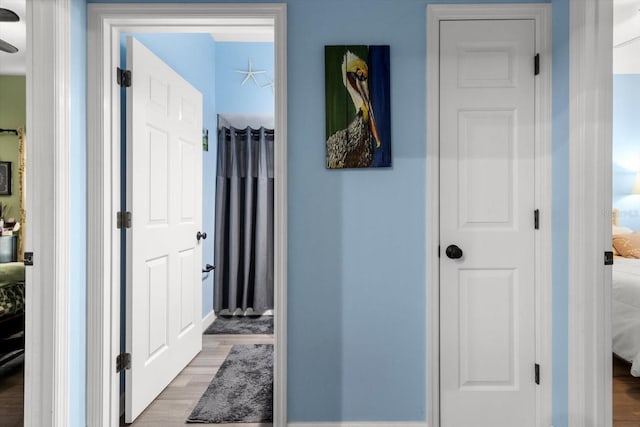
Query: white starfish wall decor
{"points": [[250, 73]]}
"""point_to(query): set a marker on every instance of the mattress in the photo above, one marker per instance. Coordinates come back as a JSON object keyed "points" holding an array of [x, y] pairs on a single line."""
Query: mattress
{"points": [[626, 311], [11, 288]]}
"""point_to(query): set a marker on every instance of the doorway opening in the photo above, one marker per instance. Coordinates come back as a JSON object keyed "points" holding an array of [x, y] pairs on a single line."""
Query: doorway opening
{"points": [[13, 137], [105, 125], [625, 280]]}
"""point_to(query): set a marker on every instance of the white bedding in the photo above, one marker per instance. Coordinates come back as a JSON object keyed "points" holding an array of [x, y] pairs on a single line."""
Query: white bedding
{"points": [[626, 311]]}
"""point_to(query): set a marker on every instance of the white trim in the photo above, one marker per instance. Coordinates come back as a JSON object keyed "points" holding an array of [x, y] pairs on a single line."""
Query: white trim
{"points": [[207, 320], [361, 424], [590, 167], [47, 233], [541, 13], [105, 23]]}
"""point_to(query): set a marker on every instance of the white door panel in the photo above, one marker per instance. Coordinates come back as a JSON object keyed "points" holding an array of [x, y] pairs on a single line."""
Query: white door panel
{"points": [[487, 209], [164, 188]]}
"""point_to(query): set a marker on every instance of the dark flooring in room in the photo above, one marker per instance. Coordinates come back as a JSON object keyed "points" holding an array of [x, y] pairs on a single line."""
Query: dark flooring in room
{"points": [[11, 393]]}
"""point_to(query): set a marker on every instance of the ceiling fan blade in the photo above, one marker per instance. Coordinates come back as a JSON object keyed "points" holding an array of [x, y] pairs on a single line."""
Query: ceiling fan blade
{"points": [[7, 15], [7, 47]]}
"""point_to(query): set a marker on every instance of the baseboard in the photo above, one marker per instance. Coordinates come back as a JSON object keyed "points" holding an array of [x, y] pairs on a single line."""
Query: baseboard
{"points": [[208, 320], [361, 424]]}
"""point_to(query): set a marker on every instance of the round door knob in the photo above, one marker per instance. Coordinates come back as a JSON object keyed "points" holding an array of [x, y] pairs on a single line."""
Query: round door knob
{"points": [[453, 252], [201, 236]]}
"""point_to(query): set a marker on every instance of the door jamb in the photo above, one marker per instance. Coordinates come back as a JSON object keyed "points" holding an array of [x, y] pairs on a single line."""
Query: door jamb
{"points": [[105, 23], [590, 188], [48, 99], [541, 14]]}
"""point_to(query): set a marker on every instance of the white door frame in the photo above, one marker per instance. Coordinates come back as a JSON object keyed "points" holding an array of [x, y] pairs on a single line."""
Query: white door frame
{"points": [[105, 24], [590, 168], [541, 14], [46, 382]]}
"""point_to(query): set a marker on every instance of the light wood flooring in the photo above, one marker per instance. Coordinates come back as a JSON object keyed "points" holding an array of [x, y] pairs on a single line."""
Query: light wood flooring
{"points": [[176, 402]]}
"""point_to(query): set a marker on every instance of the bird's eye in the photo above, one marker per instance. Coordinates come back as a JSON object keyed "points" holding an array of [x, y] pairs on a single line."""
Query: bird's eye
{"points": [[360, 74]]}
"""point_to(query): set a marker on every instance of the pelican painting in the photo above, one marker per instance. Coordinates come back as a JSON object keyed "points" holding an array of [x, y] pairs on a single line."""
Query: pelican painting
{"points": [[357, 106]]}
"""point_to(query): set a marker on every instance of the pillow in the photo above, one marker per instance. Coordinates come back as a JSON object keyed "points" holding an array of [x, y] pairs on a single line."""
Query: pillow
{"points": [[616, 229], [627, 245]]}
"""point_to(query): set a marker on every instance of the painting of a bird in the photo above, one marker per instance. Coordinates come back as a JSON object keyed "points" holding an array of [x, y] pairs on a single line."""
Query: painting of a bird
{"points": [[356, 145]]}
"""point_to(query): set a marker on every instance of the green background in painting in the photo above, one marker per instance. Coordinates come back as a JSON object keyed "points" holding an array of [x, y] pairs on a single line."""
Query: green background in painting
{"points": [[339, 108]]}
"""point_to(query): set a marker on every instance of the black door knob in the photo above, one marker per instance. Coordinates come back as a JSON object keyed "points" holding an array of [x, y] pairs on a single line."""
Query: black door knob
{"points": [[201, 236], [453, 252]]}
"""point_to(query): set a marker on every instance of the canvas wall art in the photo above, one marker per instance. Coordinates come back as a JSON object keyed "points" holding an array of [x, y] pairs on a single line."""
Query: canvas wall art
{"points": [[358, 114]]}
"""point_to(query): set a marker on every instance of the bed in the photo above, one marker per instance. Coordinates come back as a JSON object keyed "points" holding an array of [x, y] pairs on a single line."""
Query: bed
{"points": [[12, 294], [625, 295]]}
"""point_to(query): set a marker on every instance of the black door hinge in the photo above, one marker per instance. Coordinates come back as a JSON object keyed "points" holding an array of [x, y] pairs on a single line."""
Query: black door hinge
{"points": [[28, 258], [123, 77], [438, 251], [608, 258], [536, 64], [536, 219], [537, 368], [123, 361], [123, 220]]}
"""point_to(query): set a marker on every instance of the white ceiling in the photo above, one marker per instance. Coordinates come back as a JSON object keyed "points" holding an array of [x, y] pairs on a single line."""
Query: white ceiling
{"points": [[16, 34], [626, 36]]}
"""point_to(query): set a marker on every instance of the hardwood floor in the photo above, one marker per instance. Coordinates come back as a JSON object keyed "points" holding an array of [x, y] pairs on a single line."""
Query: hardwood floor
{"points": [[626, 396], [176, 402], [11, 393]]}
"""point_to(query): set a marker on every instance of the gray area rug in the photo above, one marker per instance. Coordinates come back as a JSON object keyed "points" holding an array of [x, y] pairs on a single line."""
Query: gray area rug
{"points": [[241, 325], [242, 390]]}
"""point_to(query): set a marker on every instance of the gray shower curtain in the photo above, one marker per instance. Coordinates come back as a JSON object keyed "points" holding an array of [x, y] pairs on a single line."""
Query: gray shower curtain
{"points": [[244, 220]]}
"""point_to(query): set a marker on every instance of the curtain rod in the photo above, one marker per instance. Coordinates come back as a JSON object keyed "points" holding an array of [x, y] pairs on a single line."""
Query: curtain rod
{"points": [[14, 131]]}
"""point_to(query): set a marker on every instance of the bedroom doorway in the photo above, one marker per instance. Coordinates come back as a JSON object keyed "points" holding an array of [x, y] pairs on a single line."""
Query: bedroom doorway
{"points": [[172, 19], [13, 112], [625, 283]]}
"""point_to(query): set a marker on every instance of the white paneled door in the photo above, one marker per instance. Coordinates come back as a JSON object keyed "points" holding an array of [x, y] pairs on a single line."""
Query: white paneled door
{"points": [[164, 195], [487, 287]]}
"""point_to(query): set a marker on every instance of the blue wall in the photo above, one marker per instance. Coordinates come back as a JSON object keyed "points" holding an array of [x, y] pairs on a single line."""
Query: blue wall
{"points": [[231, 96], [626, 147], [356, 292]]}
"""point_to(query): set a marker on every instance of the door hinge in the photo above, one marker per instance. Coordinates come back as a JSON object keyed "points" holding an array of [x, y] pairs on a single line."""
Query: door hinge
{"points": [[608, 258], [438, 251], [123, 77], [123, 220], [123, 361], [28, 258], [536, 64], [536, 219], [537, 368]]}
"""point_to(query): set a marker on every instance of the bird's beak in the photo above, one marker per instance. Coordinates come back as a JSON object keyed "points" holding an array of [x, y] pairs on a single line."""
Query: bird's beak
{"points": [[364, 91], [372, 124]]}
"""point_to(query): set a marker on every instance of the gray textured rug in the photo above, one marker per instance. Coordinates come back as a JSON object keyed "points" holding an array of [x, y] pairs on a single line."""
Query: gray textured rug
{"points": [[242, 390], [241, 325]]}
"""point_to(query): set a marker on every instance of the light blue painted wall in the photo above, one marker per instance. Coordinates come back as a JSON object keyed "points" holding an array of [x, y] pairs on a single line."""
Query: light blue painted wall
{"points": [[78, 216], [231, 95], [193, 56], [626, 147], [356, 237]]}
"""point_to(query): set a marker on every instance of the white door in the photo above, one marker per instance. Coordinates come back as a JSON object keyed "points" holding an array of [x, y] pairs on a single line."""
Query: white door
{"points": [[164, 195], [487, 332]]}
